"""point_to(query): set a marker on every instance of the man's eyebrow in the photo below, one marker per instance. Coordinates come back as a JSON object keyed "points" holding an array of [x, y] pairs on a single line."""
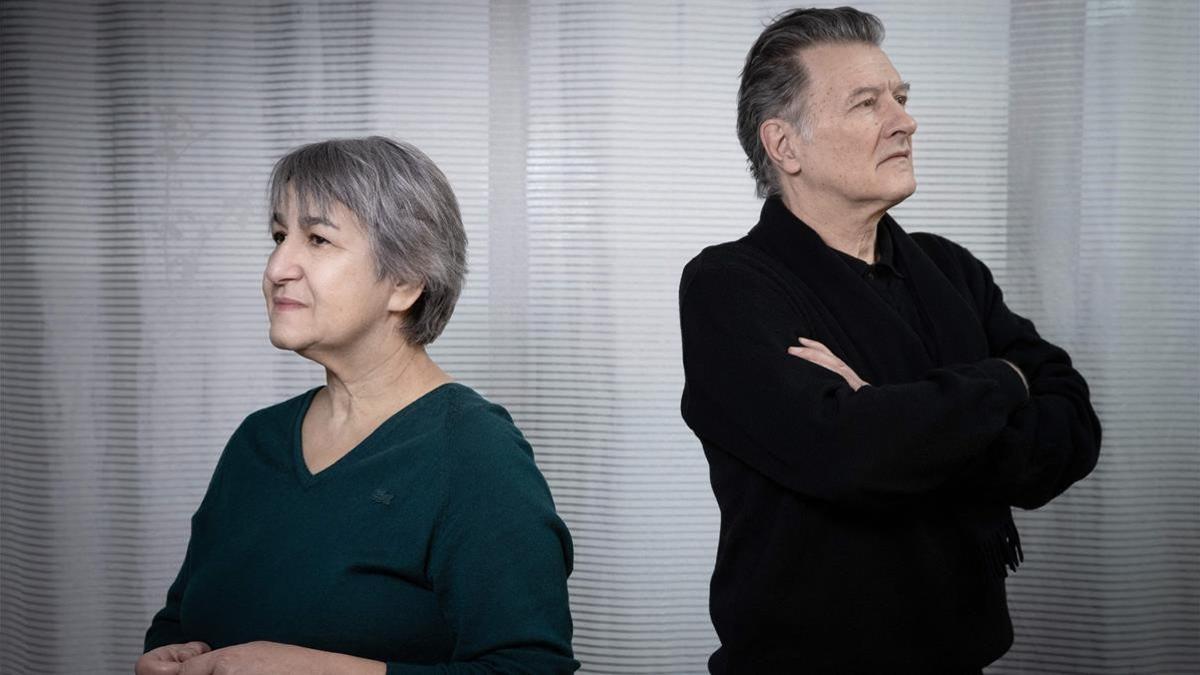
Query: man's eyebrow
{"points": [[902, 87]]}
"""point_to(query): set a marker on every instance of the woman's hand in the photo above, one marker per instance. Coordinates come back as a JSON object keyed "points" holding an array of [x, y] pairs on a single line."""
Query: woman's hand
{"points": [[167, 660], [273, 658], [815, 352]]}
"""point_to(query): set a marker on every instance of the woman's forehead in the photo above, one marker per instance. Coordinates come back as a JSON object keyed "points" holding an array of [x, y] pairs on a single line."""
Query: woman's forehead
{"points": [[302, 205]]}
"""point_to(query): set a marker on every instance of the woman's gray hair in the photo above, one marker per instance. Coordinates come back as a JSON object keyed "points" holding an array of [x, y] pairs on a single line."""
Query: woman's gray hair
{"points": [[405, 204], [774, 78]]}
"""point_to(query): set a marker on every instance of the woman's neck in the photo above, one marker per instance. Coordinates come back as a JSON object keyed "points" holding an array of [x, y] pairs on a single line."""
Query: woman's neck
{"points": [[382, 381]]}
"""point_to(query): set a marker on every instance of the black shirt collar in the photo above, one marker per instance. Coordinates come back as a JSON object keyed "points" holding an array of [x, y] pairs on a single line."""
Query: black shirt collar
{"points": [[790, 239], [885, 257]]}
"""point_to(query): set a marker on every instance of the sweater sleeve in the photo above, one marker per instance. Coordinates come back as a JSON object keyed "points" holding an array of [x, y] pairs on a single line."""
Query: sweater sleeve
{"points": [[801, 425], [165, 627], [500, 557], [1048, 444]]}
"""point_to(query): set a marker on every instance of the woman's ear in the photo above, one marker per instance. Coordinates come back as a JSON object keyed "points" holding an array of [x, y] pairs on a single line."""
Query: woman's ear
{"points": [[403, 296]]}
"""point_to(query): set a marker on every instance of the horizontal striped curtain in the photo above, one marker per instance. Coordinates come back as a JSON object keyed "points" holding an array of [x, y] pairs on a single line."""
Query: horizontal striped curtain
{"points": [[592, 149]]}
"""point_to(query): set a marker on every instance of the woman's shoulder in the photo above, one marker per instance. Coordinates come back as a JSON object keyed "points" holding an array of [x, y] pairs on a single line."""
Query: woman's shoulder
{"points": [[478, 436], [485, 459], [473, 421], [278, 416]]}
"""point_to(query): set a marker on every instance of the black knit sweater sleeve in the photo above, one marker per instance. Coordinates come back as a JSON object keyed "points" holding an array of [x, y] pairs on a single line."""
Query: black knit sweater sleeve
{"points": [[1054, 440], [801, 425]]}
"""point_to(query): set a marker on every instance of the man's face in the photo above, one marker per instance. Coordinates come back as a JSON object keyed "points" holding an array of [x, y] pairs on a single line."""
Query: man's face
{"points": [[858, 152]]}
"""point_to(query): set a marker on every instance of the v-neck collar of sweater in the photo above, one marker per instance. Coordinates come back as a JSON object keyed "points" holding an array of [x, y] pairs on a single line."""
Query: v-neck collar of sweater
{"points": [[366, 447]]}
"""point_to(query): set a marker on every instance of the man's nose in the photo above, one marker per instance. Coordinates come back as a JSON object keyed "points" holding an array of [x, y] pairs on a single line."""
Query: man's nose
{"points": [[903, 121]]}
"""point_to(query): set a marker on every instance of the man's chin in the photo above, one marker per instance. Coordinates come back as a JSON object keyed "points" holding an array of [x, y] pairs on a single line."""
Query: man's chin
{"points": [[902, 192]]}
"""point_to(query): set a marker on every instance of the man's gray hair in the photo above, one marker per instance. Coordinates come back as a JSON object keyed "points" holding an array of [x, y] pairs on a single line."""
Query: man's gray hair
{"points": [[406, 206], [774, 78]]}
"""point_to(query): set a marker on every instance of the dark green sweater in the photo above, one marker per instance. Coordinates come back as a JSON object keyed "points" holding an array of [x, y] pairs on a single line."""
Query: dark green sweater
{"points": [[433, 545]]}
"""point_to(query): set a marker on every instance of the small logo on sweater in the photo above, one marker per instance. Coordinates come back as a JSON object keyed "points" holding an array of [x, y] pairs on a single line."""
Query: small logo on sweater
{"points": [[381, 496]]}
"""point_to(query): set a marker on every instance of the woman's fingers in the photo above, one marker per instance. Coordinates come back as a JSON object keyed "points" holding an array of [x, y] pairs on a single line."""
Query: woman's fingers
{"points": [[187, 651], [167, 660]]}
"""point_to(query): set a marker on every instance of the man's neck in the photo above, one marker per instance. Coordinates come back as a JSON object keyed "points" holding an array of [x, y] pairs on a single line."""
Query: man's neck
{"points": [[841, 229]]}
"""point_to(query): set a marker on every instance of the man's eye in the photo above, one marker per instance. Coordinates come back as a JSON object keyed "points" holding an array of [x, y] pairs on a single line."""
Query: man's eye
{"points": [[278, 237], [902, 99], [869, 103]]}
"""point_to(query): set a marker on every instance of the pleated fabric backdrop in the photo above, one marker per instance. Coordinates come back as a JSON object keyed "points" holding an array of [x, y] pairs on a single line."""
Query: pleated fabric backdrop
{"points": [[592, 149]]}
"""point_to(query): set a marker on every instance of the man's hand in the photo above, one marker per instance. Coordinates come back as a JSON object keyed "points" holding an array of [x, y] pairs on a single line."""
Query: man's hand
{"points": [[815, 352], [168, 659], [273, 658]]}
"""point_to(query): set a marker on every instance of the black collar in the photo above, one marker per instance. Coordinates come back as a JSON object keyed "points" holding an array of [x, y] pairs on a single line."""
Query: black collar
{"points": [[871, 333], [885, 256]]}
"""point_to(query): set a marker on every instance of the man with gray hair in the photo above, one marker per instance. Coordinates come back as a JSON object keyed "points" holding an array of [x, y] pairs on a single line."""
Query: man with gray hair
{"points": [[869, 407]]}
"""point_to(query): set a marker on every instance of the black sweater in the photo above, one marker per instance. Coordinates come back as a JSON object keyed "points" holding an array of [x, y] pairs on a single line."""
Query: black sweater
{"points": [[843, 546]]}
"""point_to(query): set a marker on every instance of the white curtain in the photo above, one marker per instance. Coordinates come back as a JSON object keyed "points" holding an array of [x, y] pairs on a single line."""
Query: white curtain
{"points": [[592, 148]]}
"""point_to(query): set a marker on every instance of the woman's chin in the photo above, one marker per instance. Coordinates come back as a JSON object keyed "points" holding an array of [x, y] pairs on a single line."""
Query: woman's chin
{"points": [[281, 340]]}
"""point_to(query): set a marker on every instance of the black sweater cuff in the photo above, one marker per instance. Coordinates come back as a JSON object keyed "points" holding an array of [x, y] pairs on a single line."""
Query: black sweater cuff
{"points": [[1011, 384]]}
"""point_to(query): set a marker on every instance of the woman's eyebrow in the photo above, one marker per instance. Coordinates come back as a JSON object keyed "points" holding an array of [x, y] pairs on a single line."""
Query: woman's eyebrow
{"points": [[309, 221]]}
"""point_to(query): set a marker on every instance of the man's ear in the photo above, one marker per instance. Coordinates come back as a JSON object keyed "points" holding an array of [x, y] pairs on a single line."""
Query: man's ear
{"points": [[403, 296], [782, 142]]}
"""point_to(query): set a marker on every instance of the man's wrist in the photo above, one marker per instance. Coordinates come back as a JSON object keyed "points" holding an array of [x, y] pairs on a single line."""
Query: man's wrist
{"points": [[1024, 380], [1009, 378]]}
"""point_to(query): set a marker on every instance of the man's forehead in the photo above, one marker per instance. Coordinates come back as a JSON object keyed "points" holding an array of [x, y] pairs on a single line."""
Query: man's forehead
{"points": [[849, 66]]}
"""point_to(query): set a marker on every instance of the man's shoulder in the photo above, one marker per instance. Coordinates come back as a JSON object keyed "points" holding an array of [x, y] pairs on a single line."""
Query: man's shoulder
{"points": [[736, 278], [946, 253], [956, 262], [735, 259], [723, 253], [936, 244]]}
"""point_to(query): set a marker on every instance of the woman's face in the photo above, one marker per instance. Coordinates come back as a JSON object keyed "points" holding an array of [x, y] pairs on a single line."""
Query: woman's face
{"points": [[323, 294]]}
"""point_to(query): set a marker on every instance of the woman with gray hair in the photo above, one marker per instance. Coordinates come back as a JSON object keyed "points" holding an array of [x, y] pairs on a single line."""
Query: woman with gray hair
{"points": [[392, 520]]}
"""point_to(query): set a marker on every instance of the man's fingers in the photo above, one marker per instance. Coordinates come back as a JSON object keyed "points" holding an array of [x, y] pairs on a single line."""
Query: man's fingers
{"points": [[820, 358], [815, 352], [809, 342]]}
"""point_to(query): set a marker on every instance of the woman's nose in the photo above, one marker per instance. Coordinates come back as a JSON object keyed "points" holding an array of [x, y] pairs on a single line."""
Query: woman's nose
{"points": [[283, 264]]}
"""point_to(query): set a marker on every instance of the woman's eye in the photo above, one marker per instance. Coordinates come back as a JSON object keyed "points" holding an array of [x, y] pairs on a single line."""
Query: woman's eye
{"points": [[902, 99], [317, 240], [868, 103], [278, 237]]}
